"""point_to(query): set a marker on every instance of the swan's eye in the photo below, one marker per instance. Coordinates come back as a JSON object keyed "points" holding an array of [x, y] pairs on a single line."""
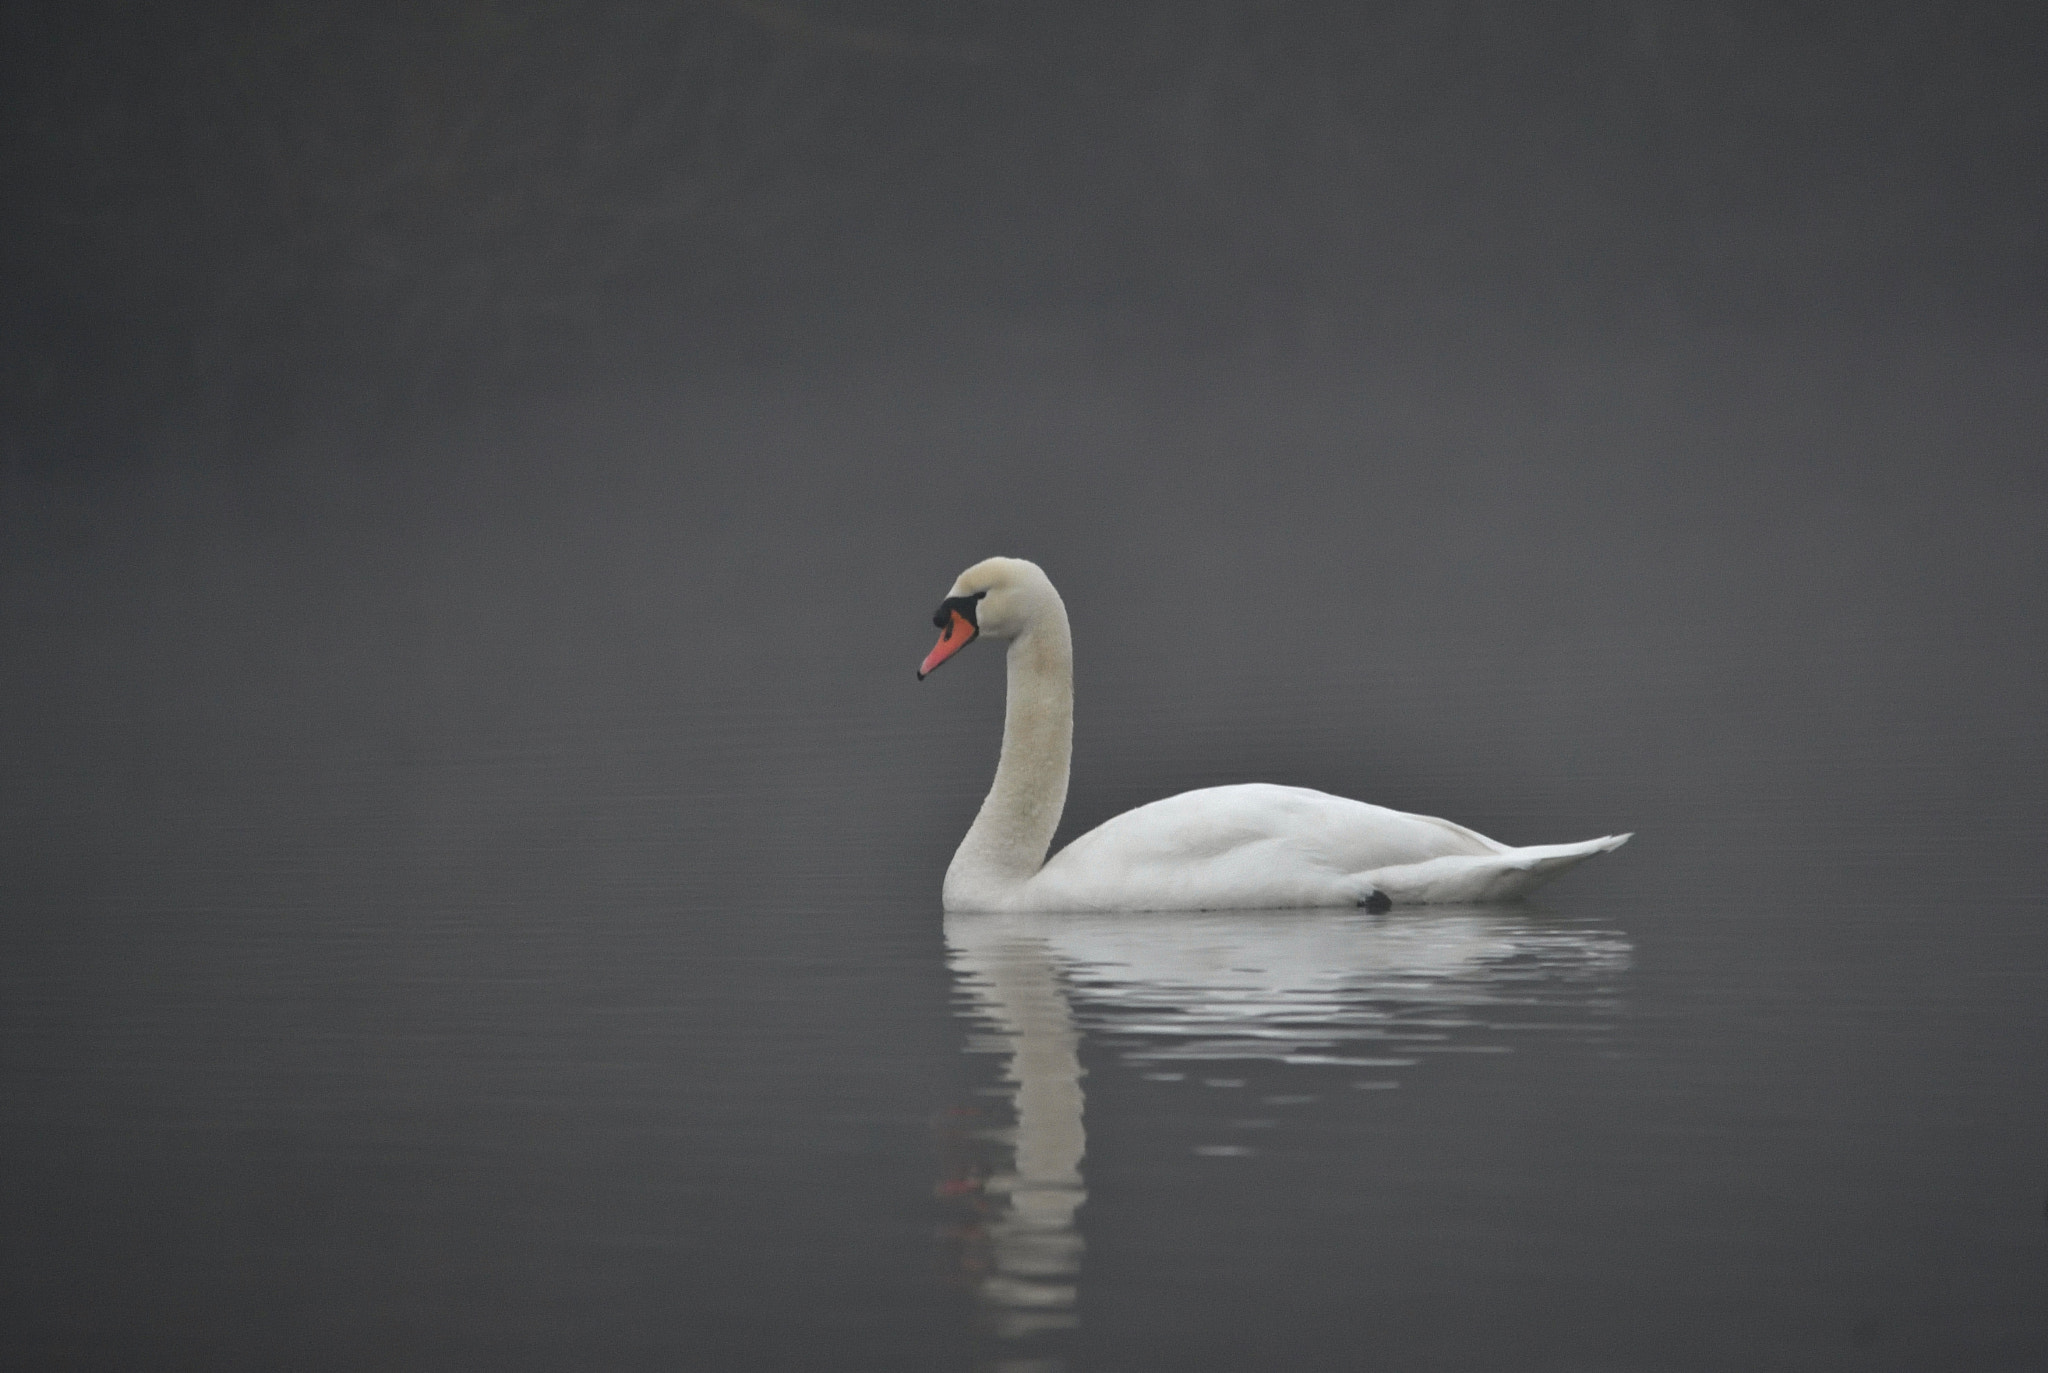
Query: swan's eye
{"points": [[964, 604]]}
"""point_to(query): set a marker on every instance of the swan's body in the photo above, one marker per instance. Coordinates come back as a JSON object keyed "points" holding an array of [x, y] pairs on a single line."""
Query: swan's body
{"points": [[1220, 848]]}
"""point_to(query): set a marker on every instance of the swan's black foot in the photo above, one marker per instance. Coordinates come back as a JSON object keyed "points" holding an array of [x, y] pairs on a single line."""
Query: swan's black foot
{"points": [[1379, 903]]}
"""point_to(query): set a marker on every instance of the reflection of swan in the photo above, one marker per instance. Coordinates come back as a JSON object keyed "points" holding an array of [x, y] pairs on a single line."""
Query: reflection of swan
{"points": [[1217, 848], [1304, 987], [1323, 990]]}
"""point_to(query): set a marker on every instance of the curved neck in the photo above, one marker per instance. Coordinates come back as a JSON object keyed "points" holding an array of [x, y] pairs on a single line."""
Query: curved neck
{"points": [[1009, 837]]}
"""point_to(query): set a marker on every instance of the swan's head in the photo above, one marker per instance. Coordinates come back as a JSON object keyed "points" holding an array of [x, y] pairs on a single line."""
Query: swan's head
{"points": [[1000, 598]]}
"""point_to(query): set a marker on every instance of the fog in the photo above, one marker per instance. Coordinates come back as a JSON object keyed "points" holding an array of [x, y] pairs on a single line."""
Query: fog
{"points": [[237, 212]]}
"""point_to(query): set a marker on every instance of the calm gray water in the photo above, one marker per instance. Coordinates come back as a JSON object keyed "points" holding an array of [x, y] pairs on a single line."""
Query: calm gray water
{"points": [[476, 905]]}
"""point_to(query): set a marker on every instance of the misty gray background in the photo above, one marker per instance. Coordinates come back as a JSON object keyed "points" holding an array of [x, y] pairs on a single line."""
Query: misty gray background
{"points": [[475, 483]]}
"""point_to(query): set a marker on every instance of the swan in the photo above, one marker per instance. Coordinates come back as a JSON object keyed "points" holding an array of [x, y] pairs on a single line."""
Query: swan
{"points": [[1217, 848]]}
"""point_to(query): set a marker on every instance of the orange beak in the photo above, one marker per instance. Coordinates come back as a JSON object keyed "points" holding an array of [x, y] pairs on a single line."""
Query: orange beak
{"points": [[960, 632]]}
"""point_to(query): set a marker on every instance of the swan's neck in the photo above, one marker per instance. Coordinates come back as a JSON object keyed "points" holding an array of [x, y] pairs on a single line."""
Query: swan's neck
{"points": [[1009, 838]]}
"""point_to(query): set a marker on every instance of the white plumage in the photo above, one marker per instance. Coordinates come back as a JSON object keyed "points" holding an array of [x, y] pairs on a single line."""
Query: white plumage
{"points": [[1220, 848]]}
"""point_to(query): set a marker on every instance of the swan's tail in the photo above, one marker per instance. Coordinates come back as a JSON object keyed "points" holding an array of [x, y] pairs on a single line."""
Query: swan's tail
{"points": [[1549, 858], [1500, 876]]}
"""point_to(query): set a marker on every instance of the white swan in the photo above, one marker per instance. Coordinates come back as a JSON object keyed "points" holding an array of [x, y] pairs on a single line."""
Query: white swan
{"points": [[1220, 848]]}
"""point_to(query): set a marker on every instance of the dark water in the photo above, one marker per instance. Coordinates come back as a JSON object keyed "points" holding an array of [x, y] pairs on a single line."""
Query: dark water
{"points": [[476, 905]]}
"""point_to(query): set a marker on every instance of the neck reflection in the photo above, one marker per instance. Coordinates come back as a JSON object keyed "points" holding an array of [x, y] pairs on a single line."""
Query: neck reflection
{"points": [[1033, 1260]]}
